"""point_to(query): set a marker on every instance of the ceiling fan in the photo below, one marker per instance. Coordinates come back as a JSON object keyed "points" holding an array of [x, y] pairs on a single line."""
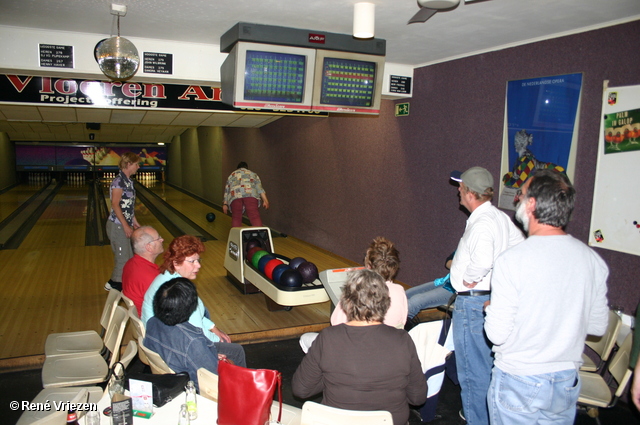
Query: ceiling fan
{"points": [[428, 8]]}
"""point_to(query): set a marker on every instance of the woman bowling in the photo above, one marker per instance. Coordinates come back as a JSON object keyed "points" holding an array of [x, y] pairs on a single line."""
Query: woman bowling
{"points": [[182, 259], [243, 193], [122, 220], [363, 364]]}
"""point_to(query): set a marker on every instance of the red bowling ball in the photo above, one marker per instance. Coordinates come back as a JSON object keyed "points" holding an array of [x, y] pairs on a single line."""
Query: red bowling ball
{"points": [[268, 269]]}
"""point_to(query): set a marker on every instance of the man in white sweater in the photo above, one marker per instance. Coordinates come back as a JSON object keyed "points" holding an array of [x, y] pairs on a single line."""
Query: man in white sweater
{"points": [[548, 293]]}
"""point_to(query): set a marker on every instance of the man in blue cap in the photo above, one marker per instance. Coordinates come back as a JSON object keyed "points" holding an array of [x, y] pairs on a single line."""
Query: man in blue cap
{"points": [[488, 233]]}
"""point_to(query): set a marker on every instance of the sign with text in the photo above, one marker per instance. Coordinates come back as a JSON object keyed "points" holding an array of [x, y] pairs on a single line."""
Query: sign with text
{"points": [[158, 63], [400, 84], [55, 56], [114, 94]]}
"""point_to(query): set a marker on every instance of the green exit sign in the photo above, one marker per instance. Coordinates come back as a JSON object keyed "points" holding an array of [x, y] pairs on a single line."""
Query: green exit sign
{"points": [[402, 109]]}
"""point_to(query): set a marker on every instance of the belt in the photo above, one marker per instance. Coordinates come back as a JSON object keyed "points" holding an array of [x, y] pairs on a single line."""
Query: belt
{"points": [[473, 293]]}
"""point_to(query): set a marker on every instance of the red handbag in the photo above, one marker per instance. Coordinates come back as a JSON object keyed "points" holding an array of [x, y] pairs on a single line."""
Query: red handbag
{"points": [[245, 395]]}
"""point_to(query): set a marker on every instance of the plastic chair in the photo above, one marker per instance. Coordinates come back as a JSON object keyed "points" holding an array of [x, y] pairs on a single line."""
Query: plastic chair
{"points": [[58, 395], [595, 391], [129, 353], [319, 414], [602, 345], [86, 368], [66, 343], [138, 326], [157, 365], [138, 331], [208, 383], [127, 301]]}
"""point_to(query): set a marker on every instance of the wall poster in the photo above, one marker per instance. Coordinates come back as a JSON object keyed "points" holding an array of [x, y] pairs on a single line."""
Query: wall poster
{"points": [[541, 118]]}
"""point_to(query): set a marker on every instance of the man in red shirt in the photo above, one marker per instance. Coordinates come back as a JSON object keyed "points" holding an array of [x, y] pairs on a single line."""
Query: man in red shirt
{"points": [[141, 269]]}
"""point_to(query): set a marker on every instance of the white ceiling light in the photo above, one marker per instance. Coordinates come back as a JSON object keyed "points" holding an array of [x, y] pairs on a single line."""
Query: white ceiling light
{"points": [[117, 57], [364, 17]]}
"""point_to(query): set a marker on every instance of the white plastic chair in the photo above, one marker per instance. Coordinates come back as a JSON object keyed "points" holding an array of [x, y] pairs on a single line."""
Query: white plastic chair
{"points": [[86, 368], [128, 302], [208, 384], [157, 365], [319, 414], [602, 345], [66, 343]]}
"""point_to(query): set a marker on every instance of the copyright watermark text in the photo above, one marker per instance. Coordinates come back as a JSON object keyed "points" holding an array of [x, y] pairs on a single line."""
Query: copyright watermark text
{"points": [[47, 406]]}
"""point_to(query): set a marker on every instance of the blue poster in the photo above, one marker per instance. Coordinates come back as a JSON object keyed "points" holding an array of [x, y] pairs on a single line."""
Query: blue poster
{"points": [[541, 115]]}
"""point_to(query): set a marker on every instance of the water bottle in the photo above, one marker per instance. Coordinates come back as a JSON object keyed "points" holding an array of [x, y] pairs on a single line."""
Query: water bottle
{"points": [[192, 404], [183, 419]]}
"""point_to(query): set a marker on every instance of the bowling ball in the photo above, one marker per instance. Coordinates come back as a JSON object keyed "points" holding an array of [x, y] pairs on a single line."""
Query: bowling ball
{"points": [[264, 260], [253, 251], [296, 262], [268, 269], [291, 278], [211, 217], [252, 243], [308, 271], [277, 272], [257, 256]]}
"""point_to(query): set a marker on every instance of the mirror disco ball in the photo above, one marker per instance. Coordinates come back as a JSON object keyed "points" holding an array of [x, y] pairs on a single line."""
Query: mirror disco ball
{"points": [[118, 58]]}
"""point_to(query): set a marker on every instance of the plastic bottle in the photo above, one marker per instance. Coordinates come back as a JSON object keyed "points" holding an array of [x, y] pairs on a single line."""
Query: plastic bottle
{"points": [[183, 419], [192, 403], [72, 417]]}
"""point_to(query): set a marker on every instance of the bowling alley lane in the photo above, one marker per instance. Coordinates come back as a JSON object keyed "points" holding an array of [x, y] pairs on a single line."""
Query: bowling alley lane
{"points": [[13, 198], [54, 283]]}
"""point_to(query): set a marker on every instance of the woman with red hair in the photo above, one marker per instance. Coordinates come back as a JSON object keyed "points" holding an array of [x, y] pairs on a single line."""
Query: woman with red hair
{"points": [[182, 259]]}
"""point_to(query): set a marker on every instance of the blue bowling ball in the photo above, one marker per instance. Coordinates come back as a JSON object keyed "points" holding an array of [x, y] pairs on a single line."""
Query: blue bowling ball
{"points": [[262, 262], [277, 272]]}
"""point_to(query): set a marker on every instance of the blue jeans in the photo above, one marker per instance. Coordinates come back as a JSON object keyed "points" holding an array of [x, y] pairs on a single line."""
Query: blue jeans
{"points": [[474, 359], [427, 295], [536, 399]]}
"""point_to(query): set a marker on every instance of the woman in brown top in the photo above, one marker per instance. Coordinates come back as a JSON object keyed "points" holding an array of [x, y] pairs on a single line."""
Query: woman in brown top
{"points": [[363, 364]]}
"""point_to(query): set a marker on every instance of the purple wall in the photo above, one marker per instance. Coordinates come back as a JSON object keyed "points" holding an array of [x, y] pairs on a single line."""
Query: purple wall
{"points": [[338, 182]]}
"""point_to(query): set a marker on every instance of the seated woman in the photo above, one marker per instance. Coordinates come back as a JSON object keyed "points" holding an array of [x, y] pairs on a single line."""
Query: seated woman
{"points": [[182, 259], [383, 258], [182, 346], [363, 364]]}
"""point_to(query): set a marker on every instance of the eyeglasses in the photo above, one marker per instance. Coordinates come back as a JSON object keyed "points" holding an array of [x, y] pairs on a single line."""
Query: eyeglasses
{"points": [[155, 240], [193, 261]]}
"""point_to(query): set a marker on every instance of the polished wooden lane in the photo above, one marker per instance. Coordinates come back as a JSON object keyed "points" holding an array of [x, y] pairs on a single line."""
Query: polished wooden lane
{"points": [[12, 199], [53, 283]]}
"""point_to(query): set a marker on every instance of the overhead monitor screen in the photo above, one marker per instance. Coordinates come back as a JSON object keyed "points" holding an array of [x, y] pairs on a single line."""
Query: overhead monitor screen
{"points": [[348, 82], [274, 77]]}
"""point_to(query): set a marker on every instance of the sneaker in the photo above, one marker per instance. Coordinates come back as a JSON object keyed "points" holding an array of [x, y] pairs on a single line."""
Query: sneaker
{"points": [[107, 286], [461, 413]]}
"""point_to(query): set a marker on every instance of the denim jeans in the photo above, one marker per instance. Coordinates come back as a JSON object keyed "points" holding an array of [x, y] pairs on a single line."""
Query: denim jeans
{"points": [[474, 359], [427, 295], [536, 399]]}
